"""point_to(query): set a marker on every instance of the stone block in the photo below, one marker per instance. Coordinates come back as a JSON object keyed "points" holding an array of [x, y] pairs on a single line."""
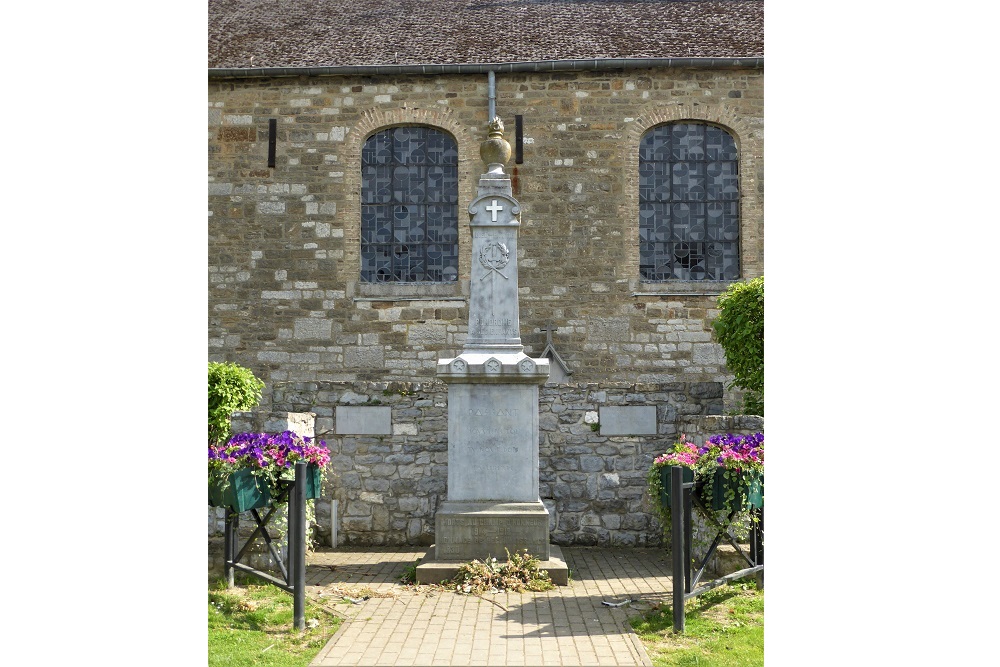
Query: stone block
{"points": [[609, 328], [365, 357], [312, 328], [427, 334]]}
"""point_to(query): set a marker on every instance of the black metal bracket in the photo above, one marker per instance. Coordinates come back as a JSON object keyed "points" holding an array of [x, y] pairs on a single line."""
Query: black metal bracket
{"points": [[272, 140], [755, 557], [294, 571], [683, 500]]}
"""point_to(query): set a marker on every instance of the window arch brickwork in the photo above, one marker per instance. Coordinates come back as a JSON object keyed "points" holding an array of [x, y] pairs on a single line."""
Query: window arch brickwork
{"points": [[747, 135], [689, 209], [409, 206], [370, 123]]}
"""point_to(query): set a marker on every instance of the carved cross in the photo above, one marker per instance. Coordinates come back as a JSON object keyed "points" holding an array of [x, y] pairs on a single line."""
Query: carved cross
{"points": [[494, 208]]}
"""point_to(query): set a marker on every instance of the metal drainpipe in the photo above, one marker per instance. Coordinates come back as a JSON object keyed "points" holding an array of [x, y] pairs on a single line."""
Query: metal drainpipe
{"points": [[493, 94]]}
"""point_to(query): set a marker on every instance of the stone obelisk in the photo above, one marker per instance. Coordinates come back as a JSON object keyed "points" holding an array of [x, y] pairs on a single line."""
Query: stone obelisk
{"points": [[493, 503]]}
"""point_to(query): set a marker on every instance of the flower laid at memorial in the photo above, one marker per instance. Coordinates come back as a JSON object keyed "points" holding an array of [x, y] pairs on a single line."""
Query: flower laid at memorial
{"points": [[263, 459], [520, 572], [728, 472]]}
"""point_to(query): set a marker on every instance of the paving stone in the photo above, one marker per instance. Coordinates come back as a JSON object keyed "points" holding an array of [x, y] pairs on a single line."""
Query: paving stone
{"points": [[426, 626]]}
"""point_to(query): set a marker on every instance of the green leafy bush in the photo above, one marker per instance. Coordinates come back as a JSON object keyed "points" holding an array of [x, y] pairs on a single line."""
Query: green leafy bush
{"points": [[740, 330], [230, 388]]}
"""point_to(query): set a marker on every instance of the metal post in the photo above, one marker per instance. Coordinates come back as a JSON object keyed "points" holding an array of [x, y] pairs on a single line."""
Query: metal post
{"points": [[688, 538], [759, 547], [232, 545], [229, 539], [333, 523], [297, 537], [755, 553], [290, 533], [677, 542]]}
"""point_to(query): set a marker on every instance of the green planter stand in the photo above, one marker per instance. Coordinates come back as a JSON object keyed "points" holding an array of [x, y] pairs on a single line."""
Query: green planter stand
{"points": [[754, 494], [665, 483], [719, 484], [244, 493], [313, 482]]}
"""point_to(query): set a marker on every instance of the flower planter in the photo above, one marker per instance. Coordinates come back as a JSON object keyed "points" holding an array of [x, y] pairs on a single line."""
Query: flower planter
{"points": [[313, 482], [244, 493], [271, 456], [754, 491], [665, 483]]}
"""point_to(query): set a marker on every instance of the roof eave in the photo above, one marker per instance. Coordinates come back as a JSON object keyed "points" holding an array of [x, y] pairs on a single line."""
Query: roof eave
{"points": [[483, 68]]}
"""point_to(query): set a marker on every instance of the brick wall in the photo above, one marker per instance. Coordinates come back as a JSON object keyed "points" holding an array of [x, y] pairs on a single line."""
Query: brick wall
{"points": [[284, 296]]}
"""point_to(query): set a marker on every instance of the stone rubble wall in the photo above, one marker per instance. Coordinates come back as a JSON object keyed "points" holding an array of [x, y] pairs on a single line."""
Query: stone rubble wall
{"points": [[388, 487]]}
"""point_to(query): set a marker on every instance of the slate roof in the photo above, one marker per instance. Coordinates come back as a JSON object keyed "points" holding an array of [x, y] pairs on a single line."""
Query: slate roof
{"points": [[328, 33]]}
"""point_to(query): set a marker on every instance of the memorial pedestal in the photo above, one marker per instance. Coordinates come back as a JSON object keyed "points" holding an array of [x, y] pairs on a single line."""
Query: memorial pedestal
{"points": [[480, 530], [493, 505]]}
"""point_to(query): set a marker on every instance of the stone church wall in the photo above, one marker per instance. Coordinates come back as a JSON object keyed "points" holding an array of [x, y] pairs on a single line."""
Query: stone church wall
{"points": [[388, 485], [283, 250]]}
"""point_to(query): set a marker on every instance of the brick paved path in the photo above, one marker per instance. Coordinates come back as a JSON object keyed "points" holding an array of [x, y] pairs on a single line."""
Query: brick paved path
{"points": [[425, 625]]}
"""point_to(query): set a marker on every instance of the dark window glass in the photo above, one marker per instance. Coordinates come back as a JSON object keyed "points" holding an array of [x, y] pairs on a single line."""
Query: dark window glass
{"points": [[689, 204], [409, 206]]}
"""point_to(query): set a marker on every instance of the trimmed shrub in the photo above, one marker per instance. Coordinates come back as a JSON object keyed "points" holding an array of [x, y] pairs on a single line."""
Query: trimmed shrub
{"points": [[230, 388], [740, 330]]}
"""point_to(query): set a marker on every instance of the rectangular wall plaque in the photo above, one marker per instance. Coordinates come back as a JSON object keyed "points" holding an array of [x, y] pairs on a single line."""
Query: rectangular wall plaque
{"points": [[364, 420], [628, 420]]}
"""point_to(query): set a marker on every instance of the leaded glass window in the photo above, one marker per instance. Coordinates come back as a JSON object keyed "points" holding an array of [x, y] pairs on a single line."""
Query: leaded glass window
{"points": [[689, 203], [409, 206]]}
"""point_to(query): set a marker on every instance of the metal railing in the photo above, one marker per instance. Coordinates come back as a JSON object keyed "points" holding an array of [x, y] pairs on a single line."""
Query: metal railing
{"points": [[294, 571], [682, 501]]}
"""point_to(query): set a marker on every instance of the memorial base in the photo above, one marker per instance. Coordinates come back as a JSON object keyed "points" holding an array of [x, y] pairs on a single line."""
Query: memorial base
{"points": [[464, 530], [479, 530]]}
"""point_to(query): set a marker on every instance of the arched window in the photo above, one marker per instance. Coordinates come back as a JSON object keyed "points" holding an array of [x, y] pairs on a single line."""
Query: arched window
{"points": [[689, 203], [409, 206]]}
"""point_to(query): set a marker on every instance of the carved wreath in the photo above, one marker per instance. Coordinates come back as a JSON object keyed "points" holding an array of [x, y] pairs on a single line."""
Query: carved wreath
{"points": [[494, 256]]}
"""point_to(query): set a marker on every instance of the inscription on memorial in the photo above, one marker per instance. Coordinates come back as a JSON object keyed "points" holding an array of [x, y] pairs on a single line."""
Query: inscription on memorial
{"points": [[493, 412], [461, 532], [493, 433], [494, 326]]}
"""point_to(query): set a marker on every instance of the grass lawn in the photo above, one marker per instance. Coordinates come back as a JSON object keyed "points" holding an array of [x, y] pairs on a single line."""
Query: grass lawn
{"points": [[722, 628], [252, 624]]}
